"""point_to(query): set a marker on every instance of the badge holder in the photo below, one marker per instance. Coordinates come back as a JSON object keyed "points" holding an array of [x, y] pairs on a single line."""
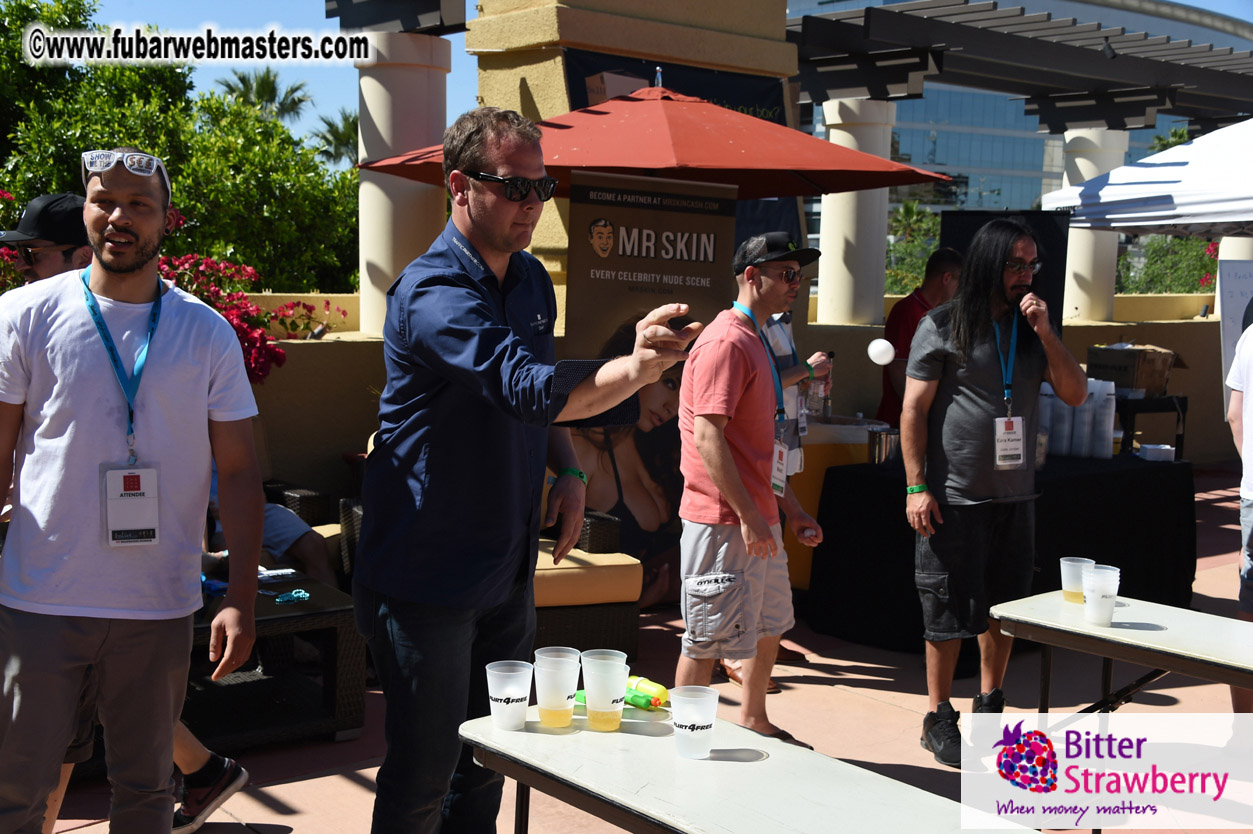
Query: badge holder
{"points": [[131, 508]]}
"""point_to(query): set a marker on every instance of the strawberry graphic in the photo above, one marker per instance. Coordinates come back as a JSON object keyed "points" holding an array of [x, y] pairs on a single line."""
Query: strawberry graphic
{"points": [[1027, 760]]}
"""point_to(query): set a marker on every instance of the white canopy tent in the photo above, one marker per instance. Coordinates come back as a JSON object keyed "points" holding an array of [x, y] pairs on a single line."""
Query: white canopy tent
{"points": [[1202, 188]]}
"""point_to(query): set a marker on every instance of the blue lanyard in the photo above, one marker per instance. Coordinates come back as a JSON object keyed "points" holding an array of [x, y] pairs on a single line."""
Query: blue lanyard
{"points": [[1007, 369], [780, 413], [130, 385]]}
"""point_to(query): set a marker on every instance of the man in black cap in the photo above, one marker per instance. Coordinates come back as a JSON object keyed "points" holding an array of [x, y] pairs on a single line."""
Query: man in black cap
{"points": [[50, 236], [737, 600]]}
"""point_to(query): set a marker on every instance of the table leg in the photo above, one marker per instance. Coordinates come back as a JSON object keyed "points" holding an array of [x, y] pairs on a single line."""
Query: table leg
{"points": [[1107, 677], [522, 809], [1046, 671]]}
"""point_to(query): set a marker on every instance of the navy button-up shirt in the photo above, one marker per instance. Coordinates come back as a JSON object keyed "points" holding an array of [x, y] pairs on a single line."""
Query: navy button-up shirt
{"points": [[453, 486]]}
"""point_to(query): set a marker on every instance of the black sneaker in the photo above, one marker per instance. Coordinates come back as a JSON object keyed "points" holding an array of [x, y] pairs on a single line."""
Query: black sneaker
{"points": [[941, 736], [993, 701], [199, 803]]}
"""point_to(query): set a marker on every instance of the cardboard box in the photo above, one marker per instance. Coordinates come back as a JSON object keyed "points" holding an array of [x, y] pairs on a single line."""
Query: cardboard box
{"points": [[1137, 371], [607, 85]]}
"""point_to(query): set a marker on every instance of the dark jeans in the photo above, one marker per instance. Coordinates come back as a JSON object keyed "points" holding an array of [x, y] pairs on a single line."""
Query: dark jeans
{"points": [[431, 664]]}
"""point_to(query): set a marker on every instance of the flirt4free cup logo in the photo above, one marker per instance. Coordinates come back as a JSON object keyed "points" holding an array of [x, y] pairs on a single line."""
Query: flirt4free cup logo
{"points": [[1105, 770]]}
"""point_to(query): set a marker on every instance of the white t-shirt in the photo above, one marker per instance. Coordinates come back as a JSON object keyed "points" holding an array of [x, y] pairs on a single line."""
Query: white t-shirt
{"points": [[1238, 379], [53, 361]]}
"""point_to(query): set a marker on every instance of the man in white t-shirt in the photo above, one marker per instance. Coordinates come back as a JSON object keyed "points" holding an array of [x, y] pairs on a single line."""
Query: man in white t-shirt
{"points": [[1241, 422], [116, 393]]}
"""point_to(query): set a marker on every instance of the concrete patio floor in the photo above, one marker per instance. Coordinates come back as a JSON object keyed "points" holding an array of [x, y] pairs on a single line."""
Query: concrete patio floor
{"points": [[860, 704]]}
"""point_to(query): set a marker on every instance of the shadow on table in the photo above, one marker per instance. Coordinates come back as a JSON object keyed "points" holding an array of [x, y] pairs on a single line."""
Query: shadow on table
{"points": [[737, 754], [946, 783], [1138, 626]]}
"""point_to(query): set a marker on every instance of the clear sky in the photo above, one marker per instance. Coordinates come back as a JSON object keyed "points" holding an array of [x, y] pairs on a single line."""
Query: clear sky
{"points": [[335, 85]]}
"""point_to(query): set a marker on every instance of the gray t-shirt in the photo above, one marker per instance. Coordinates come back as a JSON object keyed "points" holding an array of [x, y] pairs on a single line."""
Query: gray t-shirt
{"points": [[960, 445]]}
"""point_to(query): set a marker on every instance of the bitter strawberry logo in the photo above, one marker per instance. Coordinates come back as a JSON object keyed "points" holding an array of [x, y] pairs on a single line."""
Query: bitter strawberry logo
{"points": [[1027, 760]]}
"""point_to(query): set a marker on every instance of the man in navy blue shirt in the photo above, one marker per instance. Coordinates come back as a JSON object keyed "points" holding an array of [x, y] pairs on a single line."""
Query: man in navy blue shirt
{"points": [[468, 423]]}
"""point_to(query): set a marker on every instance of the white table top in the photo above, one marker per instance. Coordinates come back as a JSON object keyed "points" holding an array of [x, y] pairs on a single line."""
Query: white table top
{"points": [[750, 784], [1175, 639]]}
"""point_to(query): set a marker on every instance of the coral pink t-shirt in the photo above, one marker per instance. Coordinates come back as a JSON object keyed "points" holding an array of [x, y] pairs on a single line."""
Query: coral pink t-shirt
{"points": [[728, 373]]}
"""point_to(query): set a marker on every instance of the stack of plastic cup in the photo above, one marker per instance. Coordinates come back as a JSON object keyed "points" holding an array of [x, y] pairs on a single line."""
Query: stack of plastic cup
{"points": [[509, 690], [556, 683], [1072, 577], [693, 709], [1100, 590], [604, 682]]}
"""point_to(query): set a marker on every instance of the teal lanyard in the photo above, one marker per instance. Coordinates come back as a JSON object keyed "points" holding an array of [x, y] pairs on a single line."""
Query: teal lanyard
{"points": [[780, 414], [130, 385], [1007, 368]]}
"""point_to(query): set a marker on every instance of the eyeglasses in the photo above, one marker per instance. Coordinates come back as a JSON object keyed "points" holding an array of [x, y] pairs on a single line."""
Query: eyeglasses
{"points": [[143, 164], [790, 275], [30, 254], [516, 188], [1022, 267]]}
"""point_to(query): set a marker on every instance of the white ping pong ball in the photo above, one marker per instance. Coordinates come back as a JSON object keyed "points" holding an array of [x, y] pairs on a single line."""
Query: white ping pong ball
{"points": [[881, 351]]}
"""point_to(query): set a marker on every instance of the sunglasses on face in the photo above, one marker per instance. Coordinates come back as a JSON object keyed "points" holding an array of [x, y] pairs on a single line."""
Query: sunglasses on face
{"points": [[1023, 267], [517, 188], [31, 254], [143, 164], [790, 275]]}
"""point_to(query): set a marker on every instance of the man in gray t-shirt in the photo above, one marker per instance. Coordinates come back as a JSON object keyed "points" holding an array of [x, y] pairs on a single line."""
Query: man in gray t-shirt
{"points": [[968, 424]]}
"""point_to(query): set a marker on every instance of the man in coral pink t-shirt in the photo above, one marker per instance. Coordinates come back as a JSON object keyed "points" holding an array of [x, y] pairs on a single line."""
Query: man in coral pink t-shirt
{"points": [[939, 285], [737, 600]]}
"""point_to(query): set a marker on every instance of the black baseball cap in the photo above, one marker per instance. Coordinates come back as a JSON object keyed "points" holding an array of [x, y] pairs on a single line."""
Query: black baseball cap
{"points": [[54, 217], [772, 246]]}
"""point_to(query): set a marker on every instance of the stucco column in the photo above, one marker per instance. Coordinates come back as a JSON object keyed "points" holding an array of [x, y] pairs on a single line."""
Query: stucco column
{"points": [[403, 104], [1235, 249], [1091, 257], [853, 234]]}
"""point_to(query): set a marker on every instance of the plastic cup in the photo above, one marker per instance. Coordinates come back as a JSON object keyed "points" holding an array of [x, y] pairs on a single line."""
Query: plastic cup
{"points": [[1072, 577], [604, 654], [509, 690], [604, 683], [558, 651], [1100, 590], [693, 710], [556, 682]]}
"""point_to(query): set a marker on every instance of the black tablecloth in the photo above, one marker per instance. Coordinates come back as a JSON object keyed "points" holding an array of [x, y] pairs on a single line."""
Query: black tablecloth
{"points": [[1138, 515]]}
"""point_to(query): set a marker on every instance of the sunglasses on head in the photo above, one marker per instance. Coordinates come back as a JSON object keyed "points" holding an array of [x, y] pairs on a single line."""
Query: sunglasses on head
{"points": [[143, 164], [1022, 267], [517, 188]]}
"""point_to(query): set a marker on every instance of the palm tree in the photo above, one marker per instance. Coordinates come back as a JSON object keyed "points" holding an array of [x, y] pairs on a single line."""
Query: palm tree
{"points": [[911, 220], [1178, 135], [338, 137], [260, 89]]}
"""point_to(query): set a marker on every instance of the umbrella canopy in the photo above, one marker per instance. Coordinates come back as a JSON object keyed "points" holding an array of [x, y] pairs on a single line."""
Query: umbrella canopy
{"points": [[655, 132], [1203, 187]]}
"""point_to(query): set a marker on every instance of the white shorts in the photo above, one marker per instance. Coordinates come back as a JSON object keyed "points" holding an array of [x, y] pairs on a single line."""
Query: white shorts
{"points": [[731, 600]]}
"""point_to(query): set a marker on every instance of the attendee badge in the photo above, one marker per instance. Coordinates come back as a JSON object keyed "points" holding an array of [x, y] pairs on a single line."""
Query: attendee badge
{"points": [[1010, 443], [131, 510], [778, 468]]}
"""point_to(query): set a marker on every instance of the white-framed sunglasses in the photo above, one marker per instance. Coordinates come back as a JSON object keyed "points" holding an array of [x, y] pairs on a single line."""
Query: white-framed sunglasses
{"points": [[143, 164]]}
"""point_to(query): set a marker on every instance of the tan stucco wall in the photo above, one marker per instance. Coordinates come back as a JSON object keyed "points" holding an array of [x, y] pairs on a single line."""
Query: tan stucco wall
{"points": [[324, 401]]}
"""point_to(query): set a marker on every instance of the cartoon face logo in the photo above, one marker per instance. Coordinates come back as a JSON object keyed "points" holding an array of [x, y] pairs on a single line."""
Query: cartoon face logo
{"points": [[1027, 760], [600, 235]]}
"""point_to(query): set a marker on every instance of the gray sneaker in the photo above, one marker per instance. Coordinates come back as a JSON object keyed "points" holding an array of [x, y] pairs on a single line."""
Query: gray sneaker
{"points": [[993, 701], [941, 736]]}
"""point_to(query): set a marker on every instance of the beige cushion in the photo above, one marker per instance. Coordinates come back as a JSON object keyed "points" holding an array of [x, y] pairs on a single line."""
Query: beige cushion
{"points": [[586, 578]]}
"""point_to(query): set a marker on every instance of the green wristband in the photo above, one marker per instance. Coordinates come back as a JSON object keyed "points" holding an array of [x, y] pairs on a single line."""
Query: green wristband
{"points": [[811, 370], [578, 473], [910, 490]]}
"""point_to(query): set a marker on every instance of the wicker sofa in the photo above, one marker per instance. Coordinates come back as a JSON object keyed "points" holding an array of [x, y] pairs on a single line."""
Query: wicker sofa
{"points": [[588, 601]]}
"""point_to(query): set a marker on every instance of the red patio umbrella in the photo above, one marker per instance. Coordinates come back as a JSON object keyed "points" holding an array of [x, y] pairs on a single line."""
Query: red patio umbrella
{"points": [[656, 132]]}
